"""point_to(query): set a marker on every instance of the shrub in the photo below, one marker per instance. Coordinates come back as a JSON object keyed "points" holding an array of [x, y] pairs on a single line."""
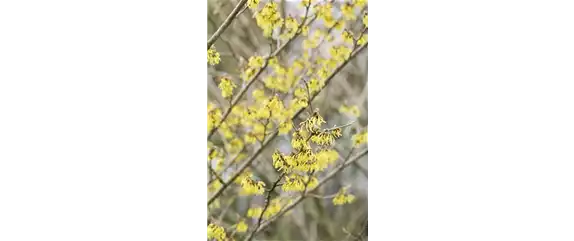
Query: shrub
{"points": [[276, 140]]}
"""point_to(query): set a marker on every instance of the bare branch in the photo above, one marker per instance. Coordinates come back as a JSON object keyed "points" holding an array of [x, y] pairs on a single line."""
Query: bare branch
{"points": [[226, 23]]}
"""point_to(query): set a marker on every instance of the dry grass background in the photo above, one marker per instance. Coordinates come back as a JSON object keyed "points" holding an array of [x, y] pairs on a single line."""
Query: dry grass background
{"points": [[314, 218]]}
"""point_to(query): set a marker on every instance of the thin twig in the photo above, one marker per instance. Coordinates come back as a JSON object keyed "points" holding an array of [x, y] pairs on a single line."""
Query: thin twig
{"points": [[341, 126], [321, 197], [267, 202], [226, 23]]}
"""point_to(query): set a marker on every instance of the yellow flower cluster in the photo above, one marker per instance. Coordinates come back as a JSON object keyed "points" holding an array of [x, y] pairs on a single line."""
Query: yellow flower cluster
{"points": [[313, 41], [362, 40], [254, 212], [315, 85], [274, 207], [245, 174], [297, 183], [216, 232], [326, 138], [360, 138], [241, 227], [348, 11], [291, 27], [284, 78], [268, 19], [214, 186], [214, 116], [252, 187], [235, 146], [305, 3], [255, 62], [305, 161], [340, 53], [313, 124], [366, 20], [252, 4], [226, 86], [348, 37], [343, 197], [213, 56], [325, 12]]}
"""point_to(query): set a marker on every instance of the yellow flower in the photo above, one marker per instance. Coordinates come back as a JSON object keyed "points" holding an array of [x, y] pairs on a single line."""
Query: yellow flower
{"points": [[360, 3], [305, 3], [325, 158], [213, 56], [360, 138], [254, 212], [273, 62], [298, 141], [258, 94], [252, 187], [214, 186], [252, 4], [348, 37], [248, 74], [226, 131], [348, 12], [324, 11], [273, 208], [313, 123], [255, 62], [315, 85], [339, 25], [235, 145], [245, 174], [212, 154], [213, 118], [215, 204], [250, 138], [363, 40], [275, 105], [366, 20], [323, 73], [300, 103], [216, 232], [241, 227], [259, 131], [300, 93], [263, 113], [296, 182], [279, 161], [291, 27], [219, 164], [326, 138], [285, 127], [343, 198], [329, 21], [268, 19], [340, 53], [226, 86]]}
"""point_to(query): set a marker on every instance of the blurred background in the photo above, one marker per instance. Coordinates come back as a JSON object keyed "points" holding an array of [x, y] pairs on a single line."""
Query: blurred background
{"points": [[314, 218]]}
